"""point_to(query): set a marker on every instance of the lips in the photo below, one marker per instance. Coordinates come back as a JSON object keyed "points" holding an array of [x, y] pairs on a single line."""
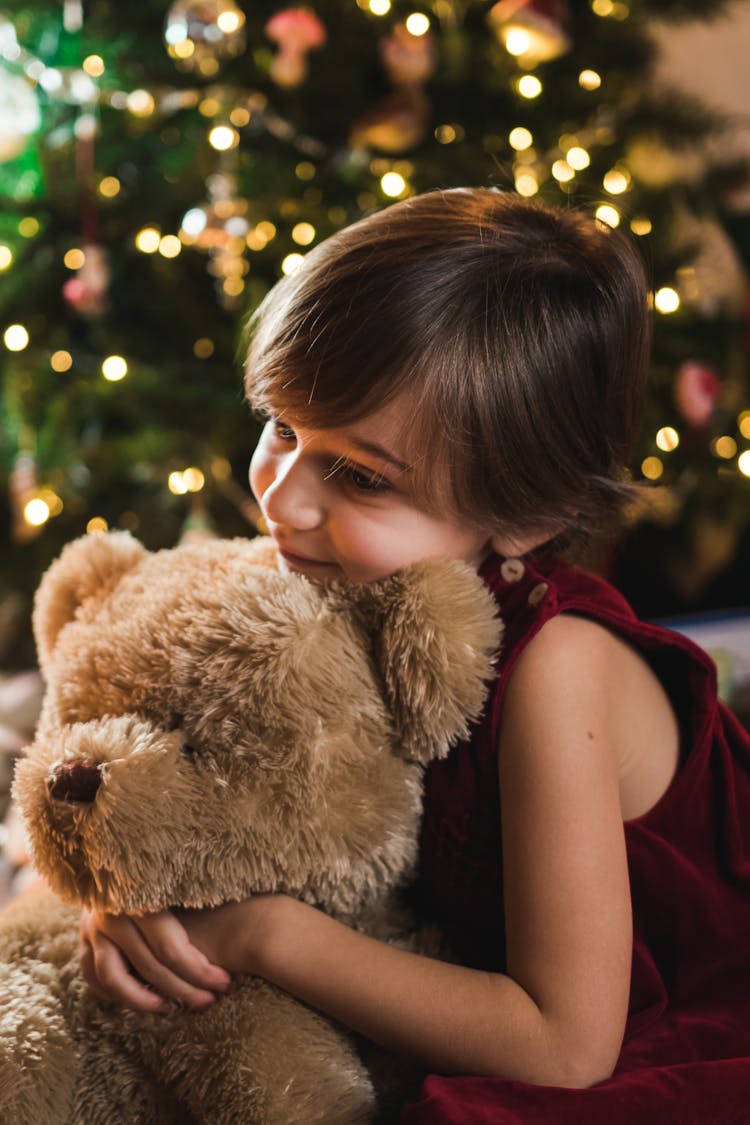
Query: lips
{"points": [[299, 560]]}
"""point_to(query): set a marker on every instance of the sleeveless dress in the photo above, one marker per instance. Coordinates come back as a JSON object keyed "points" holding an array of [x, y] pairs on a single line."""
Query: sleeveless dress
{"points": [[686, 1054]]}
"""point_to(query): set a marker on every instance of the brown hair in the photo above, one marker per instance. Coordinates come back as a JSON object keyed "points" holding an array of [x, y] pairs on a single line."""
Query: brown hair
{"points": [[520, 331]]}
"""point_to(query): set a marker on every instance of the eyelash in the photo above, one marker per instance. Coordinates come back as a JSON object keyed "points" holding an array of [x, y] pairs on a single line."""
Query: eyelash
{"points": [[360, 480]]}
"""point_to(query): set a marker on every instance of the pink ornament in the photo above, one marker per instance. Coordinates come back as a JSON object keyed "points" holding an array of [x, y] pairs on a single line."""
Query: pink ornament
{"points": [[296, 31], [86, 293], [696, 389], [537, 26], [407, 59]]}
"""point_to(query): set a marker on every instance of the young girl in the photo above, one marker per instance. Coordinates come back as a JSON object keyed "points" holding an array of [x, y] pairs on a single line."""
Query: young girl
{"points": [[461, 375]]}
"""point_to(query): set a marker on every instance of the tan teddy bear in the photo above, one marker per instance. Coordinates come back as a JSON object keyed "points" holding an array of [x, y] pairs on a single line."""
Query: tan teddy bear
{"points": [[214, 728]]}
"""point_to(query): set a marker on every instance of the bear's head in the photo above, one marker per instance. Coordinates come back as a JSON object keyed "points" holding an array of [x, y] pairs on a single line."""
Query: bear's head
{"points": [[213, 728]]}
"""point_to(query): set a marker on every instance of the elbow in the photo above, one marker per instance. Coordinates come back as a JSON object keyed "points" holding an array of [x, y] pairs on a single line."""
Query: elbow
{"points": [[584, 1065]]}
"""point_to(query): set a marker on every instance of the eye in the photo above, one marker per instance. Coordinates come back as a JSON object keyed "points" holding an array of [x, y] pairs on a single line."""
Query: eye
{"points": [[282, 431], [363, 481]]}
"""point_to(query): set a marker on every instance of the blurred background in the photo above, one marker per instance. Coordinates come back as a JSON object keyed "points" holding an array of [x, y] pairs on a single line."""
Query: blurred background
{"points": [[163, 162]]}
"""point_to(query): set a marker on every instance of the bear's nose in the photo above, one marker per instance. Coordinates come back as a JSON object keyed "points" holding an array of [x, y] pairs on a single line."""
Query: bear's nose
{"points": [[75, 781]]}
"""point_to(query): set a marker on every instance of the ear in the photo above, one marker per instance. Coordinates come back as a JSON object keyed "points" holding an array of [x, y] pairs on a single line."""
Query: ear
{"points": [[89, 567], [436, 635]]}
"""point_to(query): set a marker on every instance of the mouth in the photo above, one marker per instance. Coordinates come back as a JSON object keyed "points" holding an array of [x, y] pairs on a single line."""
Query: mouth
{"points": [[301, 561]]}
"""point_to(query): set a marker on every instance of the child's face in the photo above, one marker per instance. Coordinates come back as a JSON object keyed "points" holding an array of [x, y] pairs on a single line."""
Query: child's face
{"points": [[340, 502]]}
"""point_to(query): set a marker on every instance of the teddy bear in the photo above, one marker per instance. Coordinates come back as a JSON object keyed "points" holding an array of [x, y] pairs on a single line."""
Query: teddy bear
{"points": [[212, 728]]}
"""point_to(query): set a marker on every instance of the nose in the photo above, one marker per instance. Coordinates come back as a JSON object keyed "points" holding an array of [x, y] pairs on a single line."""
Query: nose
{"points": [[294, 497], [75, 781]]}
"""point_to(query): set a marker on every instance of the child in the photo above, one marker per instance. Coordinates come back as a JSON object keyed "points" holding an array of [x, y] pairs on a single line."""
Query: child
{"points": [[461, 375]]}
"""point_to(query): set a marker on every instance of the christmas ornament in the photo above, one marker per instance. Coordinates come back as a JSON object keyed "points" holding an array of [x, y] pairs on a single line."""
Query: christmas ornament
{"points": [[23, 485], [531, 30], [86, 293], [399, 122], [295, 31], [201, 34], [696, 389], [220, 227], [19, 114]]}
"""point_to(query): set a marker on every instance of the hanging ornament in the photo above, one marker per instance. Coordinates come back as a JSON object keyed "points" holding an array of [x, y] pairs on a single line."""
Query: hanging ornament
{"points": [[532, 30], [23, 486], [202, 34], [86, 293], [295, 31], [399, 122], [19, 114], [220, 227], [696, 389]]}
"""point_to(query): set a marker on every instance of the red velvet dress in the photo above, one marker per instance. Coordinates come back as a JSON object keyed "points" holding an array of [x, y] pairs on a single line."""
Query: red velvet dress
{"points": [[686, 1055]]}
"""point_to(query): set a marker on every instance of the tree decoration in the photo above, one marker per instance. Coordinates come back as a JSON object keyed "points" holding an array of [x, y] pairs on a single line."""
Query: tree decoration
{"points": [[220, 227], [23, 485], [399, 122], [532, 30], [696, 390], [86, 293], [201, 34], [295, 31], [19, 114]]}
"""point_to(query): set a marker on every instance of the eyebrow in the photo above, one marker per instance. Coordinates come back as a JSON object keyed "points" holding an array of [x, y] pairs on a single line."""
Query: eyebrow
{"points": [[379, 451]]}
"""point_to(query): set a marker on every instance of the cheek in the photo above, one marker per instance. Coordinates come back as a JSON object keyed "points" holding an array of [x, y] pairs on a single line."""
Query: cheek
{"points": [[260, 473]]}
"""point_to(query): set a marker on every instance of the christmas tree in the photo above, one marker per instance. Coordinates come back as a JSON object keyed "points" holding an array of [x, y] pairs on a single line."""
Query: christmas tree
{"points": [[163, 163]]}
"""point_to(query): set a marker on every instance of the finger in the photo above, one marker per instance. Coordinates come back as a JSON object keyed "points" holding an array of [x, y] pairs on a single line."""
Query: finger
{"points": [[108, 974], [168, 941]]}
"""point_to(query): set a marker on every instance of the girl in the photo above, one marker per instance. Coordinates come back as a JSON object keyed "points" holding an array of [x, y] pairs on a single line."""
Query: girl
{"points": [[461, 375]]}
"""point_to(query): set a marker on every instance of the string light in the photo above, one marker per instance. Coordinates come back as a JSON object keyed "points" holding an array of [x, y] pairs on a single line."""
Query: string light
{"points": [[303, 234], [305, 170], [6, 256], [517, 42], [93, 65], [379, 7], [61, 361], [392, 184], [97, 525], [743, 423], [28, 227], [616, 181], [652, 468], [147, 240], [529, 86], [203, 348], [609, 215], [291, 262], [562, 171], [417, 24], [186, 480], [520, 138], [74, 259], [170, 246], [114, 368], [743, 463], [589, 80], [16, 338], [223, 137], [641, 226], [140, 103], [666, 300], [724, 447], [36, 512], [667, 439], [578, 158], [109, 187], [526, 184]]}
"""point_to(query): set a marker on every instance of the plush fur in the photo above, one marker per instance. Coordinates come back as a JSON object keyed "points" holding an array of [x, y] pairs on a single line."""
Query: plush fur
{"points": [[213, 728]]}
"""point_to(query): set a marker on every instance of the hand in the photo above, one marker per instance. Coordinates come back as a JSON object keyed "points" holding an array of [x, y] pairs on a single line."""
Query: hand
{"points": [[236, 934], [147, 963]]}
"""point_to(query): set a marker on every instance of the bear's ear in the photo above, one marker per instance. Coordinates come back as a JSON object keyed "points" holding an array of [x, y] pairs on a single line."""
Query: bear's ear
{"points": [[88, 567], [436, 635]]}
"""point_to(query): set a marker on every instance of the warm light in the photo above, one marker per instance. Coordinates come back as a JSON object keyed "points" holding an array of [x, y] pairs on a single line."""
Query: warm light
{"points": [[305, 170], [170, 246], [743, 422], [52, 500], [445, 134], [223, 137], [608, 215], [616, 181], [417, 24], [652, 468], [109, 187], [667, 439], [266, 229], [392, 184], [666, 300], [520, 138], [380, 7], [221, 468], [529, 86], [233, 286], [239, 116], [527, 184], [140, 103], [209, 107], [148, 239], [96, 525], [517, 42], [602, 7], [28, 227], [724, 447], [743, 463], [16, 338], [61, 361], [36, 512], [203, 348], [93, 65], [562, 171], [230, 21], [74, 259], [193, 479], [114, 368], [303, 234], [6, 256], [641, 226], [291, 263], [176, 483], [578, 158], [589, 80], [183, 50]]}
